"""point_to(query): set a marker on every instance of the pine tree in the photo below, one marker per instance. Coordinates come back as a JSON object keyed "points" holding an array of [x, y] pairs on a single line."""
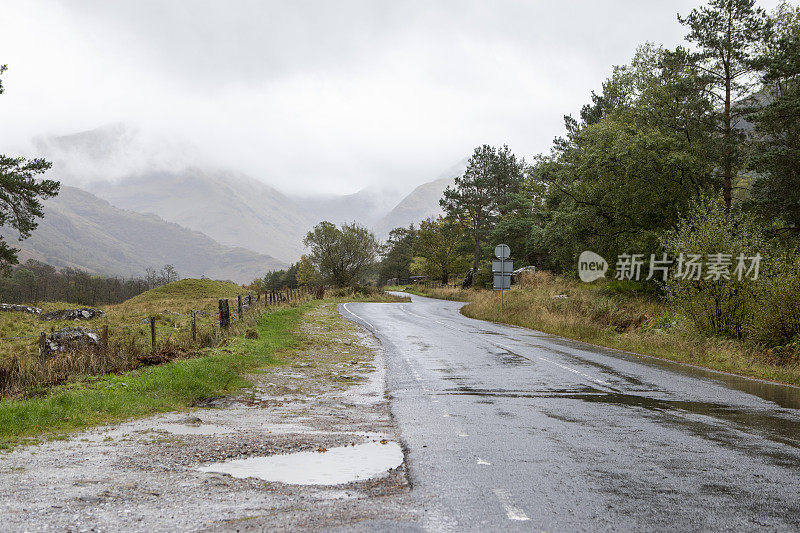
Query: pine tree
{"points": [[727, 34], [20, 197]]}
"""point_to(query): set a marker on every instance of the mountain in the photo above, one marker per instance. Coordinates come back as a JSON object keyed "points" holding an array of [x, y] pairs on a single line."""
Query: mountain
{"points": [[421, 203], [366, 206], [229, 207], [147, 174], [83, 231], [172, 181]]}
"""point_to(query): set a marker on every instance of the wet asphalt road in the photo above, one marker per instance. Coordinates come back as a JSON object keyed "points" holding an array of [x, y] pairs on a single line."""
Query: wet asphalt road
{"points": [[507, 428]]}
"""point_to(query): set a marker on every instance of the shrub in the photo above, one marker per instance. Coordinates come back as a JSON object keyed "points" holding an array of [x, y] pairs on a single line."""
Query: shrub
{"points": [[776, 319], [716, 307]]}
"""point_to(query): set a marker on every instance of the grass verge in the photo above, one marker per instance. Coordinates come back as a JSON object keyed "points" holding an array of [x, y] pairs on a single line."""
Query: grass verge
{"points": [[603, 315], [103, 399]]}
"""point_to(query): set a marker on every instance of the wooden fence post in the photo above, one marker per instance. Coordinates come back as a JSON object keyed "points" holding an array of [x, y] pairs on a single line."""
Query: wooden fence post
{"points": [[43, 348], [104, 338], [224, 314], [194, 326], [239, 307], [153, 333]]}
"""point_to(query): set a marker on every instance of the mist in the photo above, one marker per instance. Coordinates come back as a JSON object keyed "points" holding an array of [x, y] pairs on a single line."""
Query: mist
{"points": [[310, 97]]}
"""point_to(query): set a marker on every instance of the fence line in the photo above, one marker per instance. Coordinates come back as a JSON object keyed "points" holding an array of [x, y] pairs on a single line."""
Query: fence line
{"points": [[227, 315]]}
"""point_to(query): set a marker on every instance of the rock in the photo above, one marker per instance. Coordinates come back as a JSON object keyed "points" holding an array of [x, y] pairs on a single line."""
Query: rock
{"points": [[81, 313], [72, 338], [20, 308]]}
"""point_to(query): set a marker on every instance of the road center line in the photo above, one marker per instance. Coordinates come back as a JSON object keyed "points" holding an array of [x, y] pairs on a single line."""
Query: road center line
{"points": [[565, 367], [512, 512]]}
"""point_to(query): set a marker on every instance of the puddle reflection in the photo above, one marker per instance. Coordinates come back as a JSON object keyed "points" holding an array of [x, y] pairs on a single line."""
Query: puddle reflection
{"points": [[344, 464]]}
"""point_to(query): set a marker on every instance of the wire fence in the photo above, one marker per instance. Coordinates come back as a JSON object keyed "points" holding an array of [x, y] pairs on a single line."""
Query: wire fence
{"points": [[162, 327]]}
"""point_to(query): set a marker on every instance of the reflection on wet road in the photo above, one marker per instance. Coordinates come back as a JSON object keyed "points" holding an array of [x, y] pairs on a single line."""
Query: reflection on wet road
{"points": [[510, 428]]}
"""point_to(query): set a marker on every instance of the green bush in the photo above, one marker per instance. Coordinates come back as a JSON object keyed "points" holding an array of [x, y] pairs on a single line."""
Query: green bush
{"points": [[723, 307], [776, 319]]}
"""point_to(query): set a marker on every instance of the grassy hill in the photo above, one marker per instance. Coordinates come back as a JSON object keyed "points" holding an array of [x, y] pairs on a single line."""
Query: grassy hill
{"points": [[182, 296]]}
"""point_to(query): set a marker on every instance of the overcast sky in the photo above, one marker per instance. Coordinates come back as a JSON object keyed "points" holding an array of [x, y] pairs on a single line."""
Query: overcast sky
{"points": [[324, 95]]}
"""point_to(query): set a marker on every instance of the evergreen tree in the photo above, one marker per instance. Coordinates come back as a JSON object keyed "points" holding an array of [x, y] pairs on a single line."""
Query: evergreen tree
{"points": [[776, 153], [20, 197], [727, 34]]}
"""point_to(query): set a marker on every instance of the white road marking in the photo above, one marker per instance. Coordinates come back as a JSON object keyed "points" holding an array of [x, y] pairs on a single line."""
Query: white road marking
{"points": [[344, 306], [565, 367], [425, 317], [512, 512], [482, 462], [463, 435], [413, 370]]}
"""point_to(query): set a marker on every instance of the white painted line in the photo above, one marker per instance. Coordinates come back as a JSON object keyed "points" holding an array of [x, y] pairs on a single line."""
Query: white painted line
{"points": [[565, 367], [463, 435], [344, 306], [512, 512], [482, 462], [413, 370], [427, 318]]}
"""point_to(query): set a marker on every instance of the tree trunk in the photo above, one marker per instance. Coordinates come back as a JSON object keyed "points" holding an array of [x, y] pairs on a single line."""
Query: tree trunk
{"points": [[477, 257], [727, 186]]}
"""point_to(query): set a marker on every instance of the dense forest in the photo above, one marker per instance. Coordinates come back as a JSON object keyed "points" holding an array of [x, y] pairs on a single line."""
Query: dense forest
{"points": [[692, 152]]}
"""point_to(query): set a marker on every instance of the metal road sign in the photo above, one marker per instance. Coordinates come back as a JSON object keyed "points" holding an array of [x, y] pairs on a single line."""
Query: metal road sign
{"points": [[502, 269], [502, 282], [502, 251], [505, 267]]}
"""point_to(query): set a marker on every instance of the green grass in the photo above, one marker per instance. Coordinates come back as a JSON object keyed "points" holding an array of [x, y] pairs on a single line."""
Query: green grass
{"points": [[153, 389], [191, 289]]}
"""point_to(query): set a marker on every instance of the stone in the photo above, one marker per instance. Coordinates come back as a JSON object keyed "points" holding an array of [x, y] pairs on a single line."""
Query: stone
{"points": [[72, 338], [20, 309], [81, 313]]}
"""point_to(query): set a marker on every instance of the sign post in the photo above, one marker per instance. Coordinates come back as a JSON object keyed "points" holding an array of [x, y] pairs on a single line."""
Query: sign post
{"points": [[502, 269]]}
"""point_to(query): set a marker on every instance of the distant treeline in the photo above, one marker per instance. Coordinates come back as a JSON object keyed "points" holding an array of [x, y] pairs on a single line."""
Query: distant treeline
{"points": [[39, 282]]}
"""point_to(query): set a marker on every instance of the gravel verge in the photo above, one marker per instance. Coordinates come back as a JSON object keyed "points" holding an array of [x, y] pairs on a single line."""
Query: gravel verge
{"points": [[142, 475]]}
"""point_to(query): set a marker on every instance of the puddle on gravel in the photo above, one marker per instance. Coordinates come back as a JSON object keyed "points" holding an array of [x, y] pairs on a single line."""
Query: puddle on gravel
{"points": [[335, 466]]}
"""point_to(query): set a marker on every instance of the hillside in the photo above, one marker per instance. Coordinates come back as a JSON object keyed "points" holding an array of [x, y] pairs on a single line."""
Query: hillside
{"points": [[229, 207], [365, 206], [421, 203], [82, 231]]}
